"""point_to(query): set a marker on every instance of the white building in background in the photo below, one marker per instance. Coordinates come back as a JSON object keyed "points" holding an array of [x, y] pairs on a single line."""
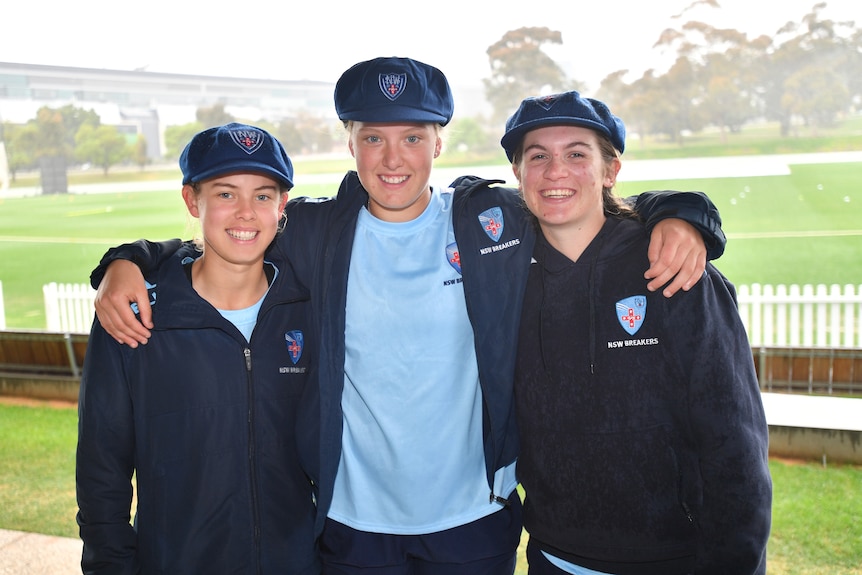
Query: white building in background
{"points": [[146, 102]]}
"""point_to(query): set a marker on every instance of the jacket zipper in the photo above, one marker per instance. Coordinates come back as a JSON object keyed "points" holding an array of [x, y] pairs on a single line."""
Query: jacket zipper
{"points": [[252, 456]]}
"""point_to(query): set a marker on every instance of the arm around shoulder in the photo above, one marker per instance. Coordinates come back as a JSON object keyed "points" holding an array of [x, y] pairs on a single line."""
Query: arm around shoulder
{"points": [[145, 254], [693, 207]]}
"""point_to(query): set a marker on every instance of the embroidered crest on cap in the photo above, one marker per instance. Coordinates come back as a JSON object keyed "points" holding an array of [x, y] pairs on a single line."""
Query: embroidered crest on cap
{"points": [[547, 101], [492, 222], [453, 256], [392, 85], [294, 341], [249, 140], [631, 312]]}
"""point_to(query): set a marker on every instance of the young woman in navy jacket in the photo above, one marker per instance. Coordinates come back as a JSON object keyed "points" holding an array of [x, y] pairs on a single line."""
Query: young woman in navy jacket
{"points": [[200, 420]]}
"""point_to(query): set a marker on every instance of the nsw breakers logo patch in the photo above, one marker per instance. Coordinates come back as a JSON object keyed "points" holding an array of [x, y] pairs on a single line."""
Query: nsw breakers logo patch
{"points": [[631, 312], [492, 222], [453, 256], [294, 340], [247, 139], [392, 85]]}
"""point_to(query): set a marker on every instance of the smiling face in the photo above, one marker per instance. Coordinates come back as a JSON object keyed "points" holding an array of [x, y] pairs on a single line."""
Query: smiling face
{"points": [[239, 215], [562, 173], [394, 165]]}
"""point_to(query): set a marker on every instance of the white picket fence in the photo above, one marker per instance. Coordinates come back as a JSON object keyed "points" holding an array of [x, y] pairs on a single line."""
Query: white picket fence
{"points": [[807, 316], [69, 307]]}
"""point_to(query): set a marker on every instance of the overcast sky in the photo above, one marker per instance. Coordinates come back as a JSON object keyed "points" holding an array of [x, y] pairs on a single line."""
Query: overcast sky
{"points": [[317, 40]]}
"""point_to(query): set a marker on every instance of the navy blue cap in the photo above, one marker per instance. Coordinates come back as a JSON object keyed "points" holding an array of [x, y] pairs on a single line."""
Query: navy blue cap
{"points": [[566, 109], [394, 90], [235, 148]]}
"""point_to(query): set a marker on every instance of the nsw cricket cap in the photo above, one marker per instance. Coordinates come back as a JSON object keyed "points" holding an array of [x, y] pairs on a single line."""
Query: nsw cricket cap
{"points": [[235, 148], [394, 90], [566, 109]]}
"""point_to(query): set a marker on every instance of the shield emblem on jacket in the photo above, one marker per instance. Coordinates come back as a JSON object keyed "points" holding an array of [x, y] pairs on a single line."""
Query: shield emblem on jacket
{"points": [[631, 313], [492, 222], [294, 340], [453, 256]]}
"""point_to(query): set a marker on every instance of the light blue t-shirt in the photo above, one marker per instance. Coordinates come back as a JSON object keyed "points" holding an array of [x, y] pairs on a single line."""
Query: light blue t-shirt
{"points": [[245, 319], [412, 457]]}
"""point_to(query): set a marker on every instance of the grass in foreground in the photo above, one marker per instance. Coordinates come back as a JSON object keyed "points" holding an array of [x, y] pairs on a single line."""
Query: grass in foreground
{"points": [[817, 511], [37, 469]]}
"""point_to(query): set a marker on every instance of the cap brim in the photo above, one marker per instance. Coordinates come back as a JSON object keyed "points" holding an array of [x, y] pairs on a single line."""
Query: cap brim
{"points": [[237, 167], [391, 113], [511, 139]]}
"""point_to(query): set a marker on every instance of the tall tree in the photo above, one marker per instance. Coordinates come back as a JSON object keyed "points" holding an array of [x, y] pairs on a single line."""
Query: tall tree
{"points": [[140, 152], [644, 107], [614, 91], [719, 79], [520, 68], [472, 136], [73, 118], [813, 42], [817, 95], [52, 140], [177, 137], [725, 105], [102, 146], [21, 147]]}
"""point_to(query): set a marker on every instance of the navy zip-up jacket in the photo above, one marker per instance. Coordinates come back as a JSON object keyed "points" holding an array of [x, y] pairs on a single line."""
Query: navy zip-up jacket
{"points": [[494, 274], [644, 444], [318, 240], [205, 421]]}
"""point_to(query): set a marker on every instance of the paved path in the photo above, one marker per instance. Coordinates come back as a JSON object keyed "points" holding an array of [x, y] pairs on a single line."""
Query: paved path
{"points": [[34, 554]]}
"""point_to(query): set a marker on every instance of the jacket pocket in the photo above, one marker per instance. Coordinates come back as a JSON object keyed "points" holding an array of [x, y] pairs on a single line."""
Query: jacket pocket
{"points": [[607, 494]]}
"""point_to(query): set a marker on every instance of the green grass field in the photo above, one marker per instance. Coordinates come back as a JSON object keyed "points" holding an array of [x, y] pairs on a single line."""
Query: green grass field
{"points": [[801, 228], [817, 511], [795, 229]]}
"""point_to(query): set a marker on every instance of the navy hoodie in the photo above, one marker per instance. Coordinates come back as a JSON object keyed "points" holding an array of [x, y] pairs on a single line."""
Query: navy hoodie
{"points": [[643, 436]]}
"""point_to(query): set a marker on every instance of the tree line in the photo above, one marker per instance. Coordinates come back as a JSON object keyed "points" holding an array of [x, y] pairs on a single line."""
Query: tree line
{"points": [[809, 72], [77, 136], [74, 134]]}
